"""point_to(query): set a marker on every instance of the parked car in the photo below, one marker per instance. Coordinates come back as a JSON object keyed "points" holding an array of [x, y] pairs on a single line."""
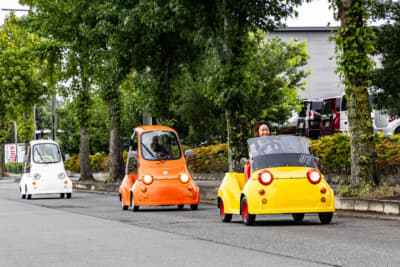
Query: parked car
{"points": [[330, 116], [284, 178], [44, 171], [156, 171], [290, 126], [308, 123], [383, 123]]}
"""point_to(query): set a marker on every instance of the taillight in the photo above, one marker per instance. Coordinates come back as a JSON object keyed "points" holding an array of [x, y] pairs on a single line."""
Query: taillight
{"points": [[311, 114], [314, 176], [265, 177]]}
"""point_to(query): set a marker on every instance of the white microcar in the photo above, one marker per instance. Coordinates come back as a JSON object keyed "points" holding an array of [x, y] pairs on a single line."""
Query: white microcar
{"points": [[44, 171]]}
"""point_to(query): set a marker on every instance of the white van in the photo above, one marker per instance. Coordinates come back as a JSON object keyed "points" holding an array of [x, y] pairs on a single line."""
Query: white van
{"points": [[44, 171], [380, 119]]}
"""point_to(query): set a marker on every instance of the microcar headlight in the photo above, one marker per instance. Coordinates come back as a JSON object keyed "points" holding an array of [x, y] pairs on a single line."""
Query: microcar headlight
{"points": [[314, 176], [36, 176], [184, 178], [61, 175], [147, 179]]}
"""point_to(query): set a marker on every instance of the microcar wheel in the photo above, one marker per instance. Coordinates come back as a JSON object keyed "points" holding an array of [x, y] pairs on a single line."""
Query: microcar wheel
{"points": [[134, 207], [325, 217], [69, 195], [248, 219], [397, 131], [124, 207], [61, 195], [194, 206], [298, 217], [27, 196], [23, 196], [226, 217], [180, 207]]}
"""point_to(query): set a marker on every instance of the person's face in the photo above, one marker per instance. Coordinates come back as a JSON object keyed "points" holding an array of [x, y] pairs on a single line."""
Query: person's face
{"points": [[263, 130]]}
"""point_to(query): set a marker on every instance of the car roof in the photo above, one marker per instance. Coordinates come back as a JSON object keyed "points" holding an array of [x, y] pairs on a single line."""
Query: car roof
{"points": [[149, 128], [42, 141]]}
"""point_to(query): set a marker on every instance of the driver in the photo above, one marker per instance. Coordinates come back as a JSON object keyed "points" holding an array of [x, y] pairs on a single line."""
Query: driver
{"points": [[261, 128], [156, 147]]}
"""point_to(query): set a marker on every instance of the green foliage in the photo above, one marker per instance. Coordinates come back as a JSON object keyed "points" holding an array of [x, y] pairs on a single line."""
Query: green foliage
{"points": [[333, 154], [15, 167], [368, 192], [386, 80], [206, 159]]}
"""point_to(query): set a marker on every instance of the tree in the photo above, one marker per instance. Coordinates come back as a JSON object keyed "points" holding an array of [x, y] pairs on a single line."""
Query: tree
{"points": [[233, 23], [71, 23], [354, 44], [386, 80], [20, 84]]}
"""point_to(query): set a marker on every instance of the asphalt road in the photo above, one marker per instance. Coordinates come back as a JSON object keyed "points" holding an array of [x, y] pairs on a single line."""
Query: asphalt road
{"points": [[92, 230]]}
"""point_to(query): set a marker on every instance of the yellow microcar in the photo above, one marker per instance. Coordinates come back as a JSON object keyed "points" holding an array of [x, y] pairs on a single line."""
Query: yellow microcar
{"points": [[283, 178]]}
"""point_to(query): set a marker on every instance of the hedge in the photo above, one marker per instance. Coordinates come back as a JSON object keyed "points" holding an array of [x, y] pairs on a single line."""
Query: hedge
{"points": [[15, 167], [332, 154]]}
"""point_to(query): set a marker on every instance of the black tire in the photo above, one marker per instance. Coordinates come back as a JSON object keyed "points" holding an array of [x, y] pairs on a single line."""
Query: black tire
{"points": [[248, 219], [397, 131], [61, 195], [27, 196], [124, 207], [180, 207], [134, 207], [69, 195], [194, 206], [298, 217], [325, 217], [23, 196], [225, 217]]}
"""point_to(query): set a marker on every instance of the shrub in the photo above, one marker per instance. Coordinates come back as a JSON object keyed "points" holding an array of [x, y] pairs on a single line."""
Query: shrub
{"points": [[206, 159], [15, 167]]}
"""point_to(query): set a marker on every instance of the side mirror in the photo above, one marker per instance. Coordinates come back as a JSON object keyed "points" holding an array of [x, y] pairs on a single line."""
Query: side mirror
{"points": [[189, 153], [67, 158], [243, 162], [127, 141]]}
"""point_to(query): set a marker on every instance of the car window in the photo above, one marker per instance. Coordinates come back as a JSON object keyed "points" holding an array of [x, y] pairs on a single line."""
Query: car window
{"points": [[160, 145], [316, 106], [46, 153], [328, 107], [338, 102], [344, 104]]}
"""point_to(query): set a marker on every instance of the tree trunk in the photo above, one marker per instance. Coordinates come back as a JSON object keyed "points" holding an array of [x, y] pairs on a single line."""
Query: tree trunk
{"points": [[237, 146], [84, 152], [84, 146], [116, 160], [364, 168]]}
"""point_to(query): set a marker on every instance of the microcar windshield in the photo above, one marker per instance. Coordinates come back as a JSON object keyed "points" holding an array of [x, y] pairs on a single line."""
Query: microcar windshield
{"points": [[160, 145], [46, 153], [280, 151]]}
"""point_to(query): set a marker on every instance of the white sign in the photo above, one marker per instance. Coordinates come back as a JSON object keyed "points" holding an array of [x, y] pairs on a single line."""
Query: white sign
{"points": [[11, 153]]}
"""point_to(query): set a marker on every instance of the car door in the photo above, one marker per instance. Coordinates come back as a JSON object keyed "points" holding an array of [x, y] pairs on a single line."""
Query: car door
{"points": [[327, 118], [344, 123]]}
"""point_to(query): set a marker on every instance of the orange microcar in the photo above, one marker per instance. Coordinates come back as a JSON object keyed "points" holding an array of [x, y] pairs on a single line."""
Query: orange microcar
{"points": [[156, 171]]}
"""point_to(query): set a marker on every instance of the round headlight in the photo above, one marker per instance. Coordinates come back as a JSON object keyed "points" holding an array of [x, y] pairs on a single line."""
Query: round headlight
{"points": [[36, 176], [184, 178], [61, 175], [314, 176], [265, 177], [147, 179]]}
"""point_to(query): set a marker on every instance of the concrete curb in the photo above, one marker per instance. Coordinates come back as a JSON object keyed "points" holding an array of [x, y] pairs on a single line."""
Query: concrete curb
{"points": [[388, 207]]}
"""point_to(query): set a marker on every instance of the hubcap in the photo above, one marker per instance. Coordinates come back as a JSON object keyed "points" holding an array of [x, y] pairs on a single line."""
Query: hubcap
{"points": [[222, 209], [244, 210]]}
